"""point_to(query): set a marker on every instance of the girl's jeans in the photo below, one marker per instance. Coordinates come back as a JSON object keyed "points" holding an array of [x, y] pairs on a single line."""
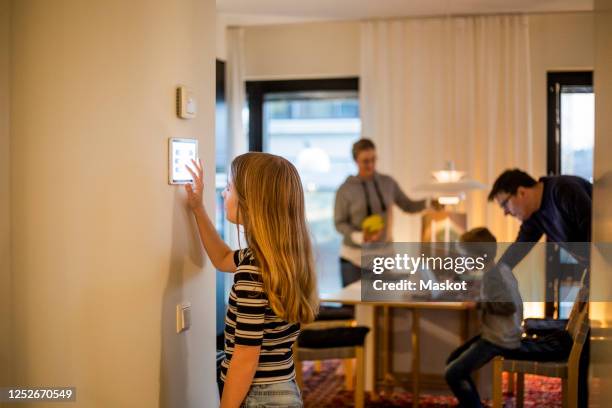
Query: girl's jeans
{"points": [[285, 394]]}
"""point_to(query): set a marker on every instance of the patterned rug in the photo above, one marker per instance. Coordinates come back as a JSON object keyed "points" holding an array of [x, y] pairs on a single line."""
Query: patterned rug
{"points": [[325, 389]]}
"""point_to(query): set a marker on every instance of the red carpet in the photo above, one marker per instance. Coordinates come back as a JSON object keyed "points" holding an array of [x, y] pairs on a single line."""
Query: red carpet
{"points": [[326, 390]]}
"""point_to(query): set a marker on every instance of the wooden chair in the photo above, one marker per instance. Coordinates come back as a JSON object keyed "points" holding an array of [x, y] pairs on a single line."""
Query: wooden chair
{"points": [[568, 371], [317, 342]]}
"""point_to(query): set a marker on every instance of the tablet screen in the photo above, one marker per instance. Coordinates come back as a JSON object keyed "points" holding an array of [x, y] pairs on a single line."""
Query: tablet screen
{"points": [[182, 151]]}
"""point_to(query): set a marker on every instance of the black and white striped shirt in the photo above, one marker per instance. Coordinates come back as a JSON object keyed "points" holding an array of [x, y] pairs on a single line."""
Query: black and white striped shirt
{"points": [[251, 322]]}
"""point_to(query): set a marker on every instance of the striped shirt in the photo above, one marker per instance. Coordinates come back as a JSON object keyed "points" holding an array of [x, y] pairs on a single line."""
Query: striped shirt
{"points": [[251, 322]]}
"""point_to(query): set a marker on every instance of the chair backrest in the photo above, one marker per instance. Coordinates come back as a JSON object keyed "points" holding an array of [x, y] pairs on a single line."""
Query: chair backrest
{"points": [[578, 323], [582, 299], [579, 334]]}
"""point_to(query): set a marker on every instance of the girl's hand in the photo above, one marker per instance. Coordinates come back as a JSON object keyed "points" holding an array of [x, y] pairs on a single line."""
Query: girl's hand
{"points": [[220, 254], [195, 190]]}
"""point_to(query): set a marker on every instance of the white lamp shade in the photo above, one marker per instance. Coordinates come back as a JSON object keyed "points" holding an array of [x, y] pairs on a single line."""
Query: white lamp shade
{"points": [[453, 187]]}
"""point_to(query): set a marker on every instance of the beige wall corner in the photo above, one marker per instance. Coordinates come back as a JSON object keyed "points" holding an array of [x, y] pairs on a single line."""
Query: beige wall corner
{"points": [[5, 217], [600, 381], [103, 247], [602, 223]]}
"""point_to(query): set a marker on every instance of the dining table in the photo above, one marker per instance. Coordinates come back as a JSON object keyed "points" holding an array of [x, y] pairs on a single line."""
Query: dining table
{"points": [[366, 313]]}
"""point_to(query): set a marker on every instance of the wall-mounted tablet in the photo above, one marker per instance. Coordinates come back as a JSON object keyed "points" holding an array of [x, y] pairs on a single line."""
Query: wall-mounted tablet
{"points": [[180, 153]]}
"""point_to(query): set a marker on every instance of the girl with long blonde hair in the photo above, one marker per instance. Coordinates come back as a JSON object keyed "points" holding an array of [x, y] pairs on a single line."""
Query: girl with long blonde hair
{"points": [[274, 288]]}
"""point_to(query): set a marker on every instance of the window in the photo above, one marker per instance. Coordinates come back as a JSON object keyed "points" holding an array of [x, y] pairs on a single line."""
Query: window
{"points": [[571, 123], [571, 135], [577, 127], [313, 124]]}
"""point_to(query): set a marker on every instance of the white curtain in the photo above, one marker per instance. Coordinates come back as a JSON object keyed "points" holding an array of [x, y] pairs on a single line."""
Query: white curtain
{"points": [[236, 95], [439, 89], [238, 140]]}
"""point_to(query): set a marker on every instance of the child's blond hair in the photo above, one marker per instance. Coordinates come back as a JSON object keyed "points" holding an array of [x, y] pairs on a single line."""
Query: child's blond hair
{"points": [[271, 209]]}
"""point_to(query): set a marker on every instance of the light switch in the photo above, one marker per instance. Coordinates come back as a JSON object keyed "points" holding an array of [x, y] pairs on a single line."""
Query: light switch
{"points": [[183, 317]]}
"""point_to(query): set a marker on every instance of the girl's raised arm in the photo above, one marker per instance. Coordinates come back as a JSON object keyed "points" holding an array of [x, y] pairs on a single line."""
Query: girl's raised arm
{"points": [[219, 253]]}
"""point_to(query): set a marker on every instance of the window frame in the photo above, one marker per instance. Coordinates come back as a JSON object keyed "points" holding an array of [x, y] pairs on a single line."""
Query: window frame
{"points": [[554, 82], [256, 91]]}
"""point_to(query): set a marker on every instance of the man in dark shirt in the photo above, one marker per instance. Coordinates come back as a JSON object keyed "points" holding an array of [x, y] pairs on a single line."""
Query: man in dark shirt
{"points": [[557, 206], [560, 208]]}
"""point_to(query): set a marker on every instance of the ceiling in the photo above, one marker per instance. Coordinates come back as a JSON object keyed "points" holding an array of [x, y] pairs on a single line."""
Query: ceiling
{"points": [[250, 12]]}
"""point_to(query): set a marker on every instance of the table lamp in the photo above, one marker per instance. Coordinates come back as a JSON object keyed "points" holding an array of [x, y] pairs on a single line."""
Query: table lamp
{"points": [[449, 186]]}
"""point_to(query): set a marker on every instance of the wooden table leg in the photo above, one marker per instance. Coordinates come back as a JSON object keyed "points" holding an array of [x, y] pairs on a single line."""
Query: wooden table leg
{"points": [[416, 361], [520, 389], [385, 340], [359, 387]]}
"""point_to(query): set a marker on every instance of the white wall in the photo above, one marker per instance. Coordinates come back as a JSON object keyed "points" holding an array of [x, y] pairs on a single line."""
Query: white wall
{"points": [[5, 254], [311, 50], [103, 247]]}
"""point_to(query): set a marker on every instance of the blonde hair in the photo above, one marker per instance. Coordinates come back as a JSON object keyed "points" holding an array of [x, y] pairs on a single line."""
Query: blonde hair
{"points": [[271, 209]]}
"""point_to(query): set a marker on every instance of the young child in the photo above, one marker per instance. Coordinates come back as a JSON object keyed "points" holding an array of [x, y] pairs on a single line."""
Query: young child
{"points": [[274, 288], [502, 315]]}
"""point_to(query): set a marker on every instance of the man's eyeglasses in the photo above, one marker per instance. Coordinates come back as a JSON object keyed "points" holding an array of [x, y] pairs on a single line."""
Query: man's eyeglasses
{"points": [[504, 203]]}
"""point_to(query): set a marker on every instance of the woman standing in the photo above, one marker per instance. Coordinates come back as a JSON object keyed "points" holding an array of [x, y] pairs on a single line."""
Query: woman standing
{"points": [[274, 288], [362, 211]]}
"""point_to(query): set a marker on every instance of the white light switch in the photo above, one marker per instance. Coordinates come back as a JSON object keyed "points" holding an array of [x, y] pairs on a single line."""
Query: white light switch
{"points": [[183, 317]]}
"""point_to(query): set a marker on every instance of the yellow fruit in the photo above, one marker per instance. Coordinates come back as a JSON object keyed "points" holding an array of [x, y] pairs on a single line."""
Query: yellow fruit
{"points": [[373, 223]]}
